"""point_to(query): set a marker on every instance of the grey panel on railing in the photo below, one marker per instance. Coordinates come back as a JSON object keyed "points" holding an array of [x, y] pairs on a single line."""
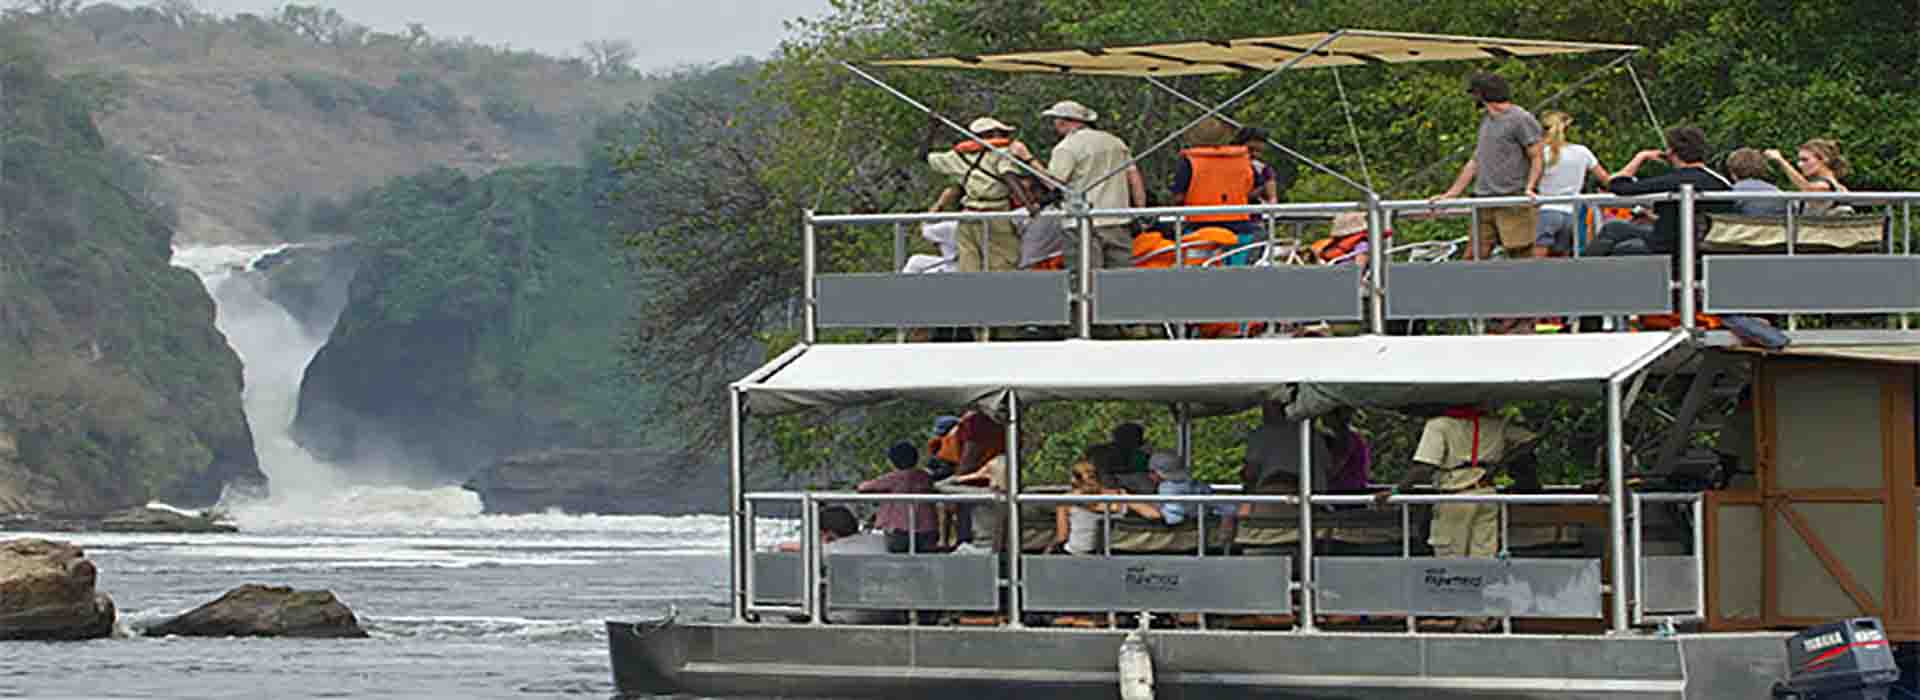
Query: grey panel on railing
{"points": [[1158, 583], [913, 581], [1227, 294], [943, 299], [1812, 283], [1506, 288], [776, 578], [1670, 586], [1566, 588]]}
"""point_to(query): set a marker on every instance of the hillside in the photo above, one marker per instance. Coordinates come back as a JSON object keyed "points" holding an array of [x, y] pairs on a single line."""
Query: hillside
{"points": [[258, 126], [115, 387]]}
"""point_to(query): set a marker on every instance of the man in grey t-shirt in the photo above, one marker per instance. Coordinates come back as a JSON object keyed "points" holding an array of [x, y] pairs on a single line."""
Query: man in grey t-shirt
{"points": [[1506, 161]]}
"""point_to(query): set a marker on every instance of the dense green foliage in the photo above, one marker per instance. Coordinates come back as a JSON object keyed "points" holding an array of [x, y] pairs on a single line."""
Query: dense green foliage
{"points": [[484, 320], [1762, 73], [113, 381]]}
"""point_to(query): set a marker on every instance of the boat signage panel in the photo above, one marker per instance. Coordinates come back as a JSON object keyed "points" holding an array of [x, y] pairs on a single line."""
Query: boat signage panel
{"points": [[1227, 294], [776, 578], [1158, 583], [1671, 585], [1493, 288], [1848, 283], [1563, 588], [946, 299], [913, 581]]}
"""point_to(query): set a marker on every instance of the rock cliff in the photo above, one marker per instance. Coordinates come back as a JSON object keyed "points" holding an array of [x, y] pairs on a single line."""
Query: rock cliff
{"points": [[115, 387]]}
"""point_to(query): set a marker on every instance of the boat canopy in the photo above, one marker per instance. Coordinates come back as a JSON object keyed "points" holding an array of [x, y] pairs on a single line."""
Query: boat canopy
{"points": [[1348, 47], [1218, 376]]}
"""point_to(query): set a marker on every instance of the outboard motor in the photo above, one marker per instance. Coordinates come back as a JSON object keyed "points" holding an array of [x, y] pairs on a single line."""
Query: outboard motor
{"points": [[1846, 660]]}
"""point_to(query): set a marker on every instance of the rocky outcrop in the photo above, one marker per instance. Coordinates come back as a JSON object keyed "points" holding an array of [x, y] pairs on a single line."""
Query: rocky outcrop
{"points": [[310, 281], [46, 593], [143, 519], [603, 481], [254, 610]]}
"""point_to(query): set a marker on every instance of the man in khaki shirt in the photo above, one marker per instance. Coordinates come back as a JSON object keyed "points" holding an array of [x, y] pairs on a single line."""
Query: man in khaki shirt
{"points": [[1085, 154], [980, 178], [1461, 450]]}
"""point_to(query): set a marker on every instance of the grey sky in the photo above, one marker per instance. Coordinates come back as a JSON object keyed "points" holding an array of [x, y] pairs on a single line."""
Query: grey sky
{"points": [[666, 32]]}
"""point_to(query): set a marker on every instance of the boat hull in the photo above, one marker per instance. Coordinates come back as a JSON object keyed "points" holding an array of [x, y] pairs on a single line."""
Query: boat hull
{"points": [[726, 659]]}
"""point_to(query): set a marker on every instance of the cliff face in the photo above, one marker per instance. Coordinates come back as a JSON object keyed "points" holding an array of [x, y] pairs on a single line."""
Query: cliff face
{"points": [[485, 319], [115, 387]]}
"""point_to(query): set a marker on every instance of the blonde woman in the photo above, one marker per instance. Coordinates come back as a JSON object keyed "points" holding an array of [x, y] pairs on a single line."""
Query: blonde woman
{"points": [[1076, 527], [1821, 167], [1567, 166]]}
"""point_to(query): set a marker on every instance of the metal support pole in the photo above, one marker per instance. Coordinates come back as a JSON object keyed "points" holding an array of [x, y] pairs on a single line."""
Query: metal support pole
{"points": [[736, 488], [1183, 417], [1079, 208], [899, 266], [1505, 553], [1700, 555], [808, 255], [1011, 538], [1906, 247], [749, 586], [1306, 525], [1473, 234], [810, 558], [1406, 552], [1376, 266], [1634, 546], [1793, 233], [1687, 275], [1616, 505]]}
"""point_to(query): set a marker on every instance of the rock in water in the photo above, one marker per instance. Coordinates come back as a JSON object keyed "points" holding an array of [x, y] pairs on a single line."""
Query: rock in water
{"points": [[151, 519], [46, 593], [254, 610]]}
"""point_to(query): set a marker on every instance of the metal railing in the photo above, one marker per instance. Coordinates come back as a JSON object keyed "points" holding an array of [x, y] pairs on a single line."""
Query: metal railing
{"points": [[1375, 286], [814, 574]]}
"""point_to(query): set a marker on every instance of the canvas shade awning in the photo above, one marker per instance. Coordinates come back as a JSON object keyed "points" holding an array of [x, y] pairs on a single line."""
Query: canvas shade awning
{"points": [[1896, 354], [1349, 47], [1225, 374]]}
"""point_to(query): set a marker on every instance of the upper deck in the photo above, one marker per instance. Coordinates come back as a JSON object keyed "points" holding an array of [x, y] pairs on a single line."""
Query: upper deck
{"points": [[1858, 265]]}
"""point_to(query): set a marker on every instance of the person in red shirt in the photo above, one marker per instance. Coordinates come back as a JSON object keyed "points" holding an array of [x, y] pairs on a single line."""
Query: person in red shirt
{"points": [[981, 439], [909, 526]]}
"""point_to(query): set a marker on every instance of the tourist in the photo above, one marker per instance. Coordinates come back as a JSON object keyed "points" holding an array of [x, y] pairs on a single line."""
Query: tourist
{"points": [[1686, 153], [1565, 173], [1821, 167], [1215, 172], [910, 527], [1351, 456], [943, 447], [1266, 181], [840, 534], [982, 179], [1077, 527], [1173, 479], [981, 438], [1748, 168], [1085, 154], [1129, 463], [1506, 162]]}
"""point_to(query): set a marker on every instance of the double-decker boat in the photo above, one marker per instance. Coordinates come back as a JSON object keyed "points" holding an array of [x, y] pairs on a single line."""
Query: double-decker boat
{"points": [[1632, 591]]}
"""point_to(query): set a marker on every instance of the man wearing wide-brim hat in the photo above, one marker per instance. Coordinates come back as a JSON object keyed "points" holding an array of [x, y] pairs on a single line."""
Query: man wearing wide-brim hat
{"points": [[1085, 154], [980, 178]]}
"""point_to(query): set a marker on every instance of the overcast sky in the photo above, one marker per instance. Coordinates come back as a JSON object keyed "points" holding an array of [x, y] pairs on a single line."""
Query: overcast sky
{"points": [[667, 32]]}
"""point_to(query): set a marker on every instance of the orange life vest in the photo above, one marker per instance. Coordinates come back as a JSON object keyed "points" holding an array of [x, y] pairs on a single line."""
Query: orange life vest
{"points": [[972, 146], [1222, 176], [1155, 249]]}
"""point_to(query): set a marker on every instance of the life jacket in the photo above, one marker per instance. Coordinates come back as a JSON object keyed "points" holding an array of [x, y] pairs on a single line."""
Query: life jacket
{"points": [[1155, 249], [1040, 192], [1667, 322], [946, 447], [1222, 176], [1472, 414], [972, 146]]}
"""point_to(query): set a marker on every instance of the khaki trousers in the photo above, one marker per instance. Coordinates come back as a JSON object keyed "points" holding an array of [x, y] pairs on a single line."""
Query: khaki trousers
{"points": [[1002, 246]]}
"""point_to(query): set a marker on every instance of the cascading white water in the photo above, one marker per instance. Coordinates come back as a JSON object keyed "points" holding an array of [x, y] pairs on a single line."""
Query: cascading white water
{"points": [[274, 350]]}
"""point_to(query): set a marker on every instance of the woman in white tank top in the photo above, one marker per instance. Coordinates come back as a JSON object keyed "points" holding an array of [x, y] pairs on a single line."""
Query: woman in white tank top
{"points": [[1567, 166]]}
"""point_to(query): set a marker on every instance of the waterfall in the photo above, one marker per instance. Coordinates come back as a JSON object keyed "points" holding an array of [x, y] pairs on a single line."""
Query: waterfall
{"points": [[274, 349]]}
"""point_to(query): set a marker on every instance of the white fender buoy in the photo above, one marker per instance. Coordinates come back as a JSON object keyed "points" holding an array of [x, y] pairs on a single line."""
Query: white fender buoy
{"points": [[1136, 667]]}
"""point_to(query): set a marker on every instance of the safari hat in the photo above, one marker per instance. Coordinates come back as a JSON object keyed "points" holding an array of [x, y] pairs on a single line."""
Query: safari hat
{"points": [[986, 124], [1069, 109], [1349, 223], [1167, 465]]}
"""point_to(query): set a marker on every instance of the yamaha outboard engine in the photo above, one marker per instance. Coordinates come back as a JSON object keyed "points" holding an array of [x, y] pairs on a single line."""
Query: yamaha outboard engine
{"points": [[1847, 660]]}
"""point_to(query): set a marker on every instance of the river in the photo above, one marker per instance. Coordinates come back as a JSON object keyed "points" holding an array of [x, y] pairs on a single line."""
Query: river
{"points": [[459, 604]]}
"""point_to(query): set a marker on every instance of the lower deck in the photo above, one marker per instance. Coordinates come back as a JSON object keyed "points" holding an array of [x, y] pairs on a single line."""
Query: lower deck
{"points": [[851, 661]]}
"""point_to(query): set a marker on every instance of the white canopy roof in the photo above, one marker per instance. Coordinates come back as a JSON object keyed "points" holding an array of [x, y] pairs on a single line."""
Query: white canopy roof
{"points": [[1350, 47], [1219, 373]]}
